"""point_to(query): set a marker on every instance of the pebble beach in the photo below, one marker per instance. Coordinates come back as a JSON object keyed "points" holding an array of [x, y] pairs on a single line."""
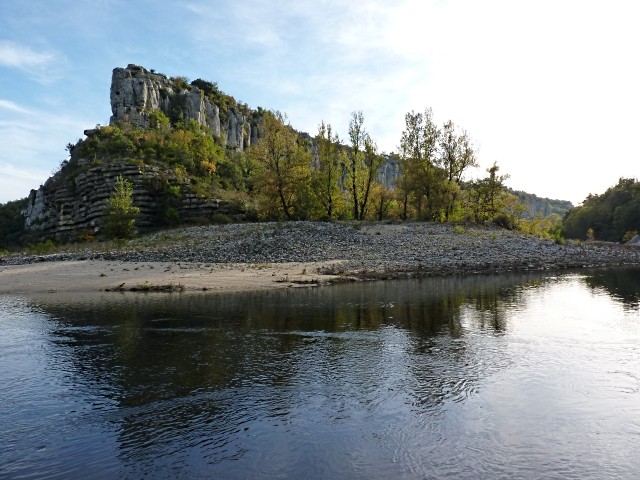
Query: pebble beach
{"points": [[252, 256]]}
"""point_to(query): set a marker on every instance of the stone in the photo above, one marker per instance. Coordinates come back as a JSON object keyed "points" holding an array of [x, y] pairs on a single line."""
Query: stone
{"points": [[137, 92], [634, 241]]}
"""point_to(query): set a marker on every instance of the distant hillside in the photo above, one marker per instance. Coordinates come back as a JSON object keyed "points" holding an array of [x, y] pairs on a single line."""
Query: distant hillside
{"points": [[611, 216], [542, 206]]}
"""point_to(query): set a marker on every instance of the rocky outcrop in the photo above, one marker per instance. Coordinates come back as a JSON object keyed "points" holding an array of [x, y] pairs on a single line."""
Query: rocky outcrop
{"points": [[635, 241], [137, 92], [73, 201], [71, 204]]}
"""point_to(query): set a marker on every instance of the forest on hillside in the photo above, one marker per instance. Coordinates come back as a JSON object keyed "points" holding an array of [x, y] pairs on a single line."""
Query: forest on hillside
{"points": [[611, 216]]}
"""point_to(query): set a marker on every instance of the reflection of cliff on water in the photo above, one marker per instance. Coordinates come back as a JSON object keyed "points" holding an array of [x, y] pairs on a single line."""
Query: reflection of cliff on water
{"points": [[178, 365], [621, 283]]}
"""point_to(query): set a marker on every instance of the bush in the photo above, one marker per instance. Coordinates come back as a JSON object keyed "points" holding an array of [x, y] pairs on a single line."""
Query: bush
{"points": [[171, 216], [220, 218], [505, 221], [42, 248]]}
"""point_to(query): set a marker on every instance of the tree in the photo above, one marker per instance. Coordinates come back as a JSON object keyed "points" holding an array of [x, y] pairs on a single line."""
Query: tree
{"points": [[456, 156], [120, 212], [12, 222], [610, 215], [418, 155], [325, 179], [282, 169], [362, 165], [382, 199], [457, 153], [484, 198]]}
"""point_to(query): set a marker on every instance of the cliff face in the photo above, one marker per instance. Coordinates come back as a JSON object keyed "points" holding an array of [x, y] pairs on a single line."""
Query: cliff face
{"points": [[136, 92], [73, 201], [69, 204]]}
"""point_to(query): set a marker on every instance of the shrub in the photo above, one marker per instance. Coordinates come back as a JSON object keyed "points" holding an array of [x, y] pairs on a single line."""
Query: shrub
{"points": [[42, 248], [505, 221], [220, 218], [171, 216]]}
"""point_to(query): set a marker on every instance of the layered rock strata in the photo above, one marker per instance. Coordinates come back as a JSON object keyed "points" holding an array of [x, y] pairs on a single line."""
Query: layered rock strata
{"points": [[69, 205]]}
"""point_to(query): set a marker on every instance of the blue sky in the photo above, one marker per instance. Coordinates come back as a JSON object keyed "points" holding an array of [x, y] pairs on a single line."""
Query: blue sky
{"points": [[548, 89]]}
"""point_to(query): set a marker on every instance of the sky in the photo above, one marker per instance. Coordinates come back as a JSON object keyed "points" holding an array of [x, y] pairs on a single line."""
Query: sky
{"points": [[548, 89]]}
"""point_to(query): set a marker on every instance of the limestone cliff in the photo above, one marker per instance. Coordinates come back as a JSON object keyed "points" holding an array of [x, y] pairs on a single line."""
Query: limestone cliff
{"points": [[136, 92], [73, 201]]}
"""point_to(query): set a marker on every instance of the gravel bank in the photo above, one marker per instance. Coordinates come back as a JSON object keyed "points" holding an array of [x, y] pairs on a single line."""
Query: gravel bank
{"points": [[366, 251]]}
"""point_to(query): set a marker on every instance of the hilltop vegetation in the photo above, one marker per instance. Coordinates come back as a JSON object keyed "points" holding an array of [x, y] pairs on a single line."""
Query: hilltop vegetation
{"points": [[292, 176], [612, 216]]}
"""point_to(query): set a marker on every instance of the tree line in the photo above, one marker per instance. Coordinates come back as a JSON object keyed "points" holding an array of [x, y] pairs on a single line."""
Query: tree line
{"points": [[286, 175], [333, 179], [612, 216]]}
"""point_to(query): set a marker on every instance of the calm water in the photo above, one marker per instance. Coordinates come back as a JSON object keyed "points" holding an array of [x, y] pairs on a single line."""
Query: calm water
{"points": [[484, 377]]}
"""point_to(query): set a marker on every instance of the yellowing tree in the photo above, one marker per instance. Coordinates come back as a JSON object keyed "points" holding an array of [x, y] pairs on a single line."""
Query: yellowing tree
{"points": [[326, 177], [281, 176], [418, 156]]}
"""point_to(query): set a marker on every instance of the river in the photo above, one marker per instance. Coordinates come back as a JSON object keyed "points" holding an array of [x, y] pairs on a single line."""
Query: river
{"points": [[506, 376]]}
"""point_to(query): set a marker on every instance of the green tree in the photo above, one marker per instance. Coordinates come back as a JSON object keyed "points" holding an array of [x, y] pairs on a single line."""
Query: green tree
{"points": [[282, 169], [12, 222], [120, 211], [485, 198], [456, 156], [363, 163], [456, 152], [159, 121], [325, 178], [609, 215], [420, 178]]}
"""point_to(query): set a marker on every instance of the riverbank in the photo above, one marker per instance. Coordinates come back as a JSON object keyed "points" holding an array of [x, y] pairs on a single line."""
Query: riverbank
{"points": [[239, 257]]}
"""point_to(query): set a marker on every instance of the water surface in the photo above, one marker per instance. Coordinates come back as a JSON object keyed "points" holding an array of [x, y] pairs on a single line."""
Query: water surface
{"points": [[520, 376]]}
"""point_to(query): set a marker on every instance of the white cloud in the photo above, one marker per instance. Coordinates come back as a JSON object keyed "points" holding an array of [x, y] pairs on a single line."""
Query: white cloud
{"points": [[20, 56], [32, 145], [14, 107], [41, 66]]}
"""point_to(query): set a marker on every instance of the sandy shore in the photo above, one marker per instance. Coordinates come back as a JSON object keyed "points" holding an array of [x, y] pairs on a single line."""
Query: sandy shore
{"points": [[104, 275], [240, 257]]}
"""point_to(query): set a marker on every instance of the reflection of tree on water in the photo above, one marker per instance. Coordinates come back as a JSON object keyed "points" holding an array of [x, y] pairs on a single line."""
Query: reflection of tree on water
{"points": [[621, 283], [180, 374]]}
